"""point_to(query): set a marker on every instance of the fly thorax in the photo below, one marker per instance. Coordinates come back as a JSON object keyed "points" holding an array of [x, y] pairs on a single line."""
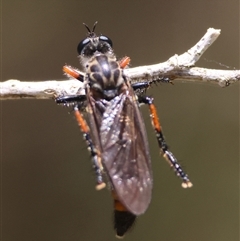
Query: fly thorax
{"points": [[105, 75]]}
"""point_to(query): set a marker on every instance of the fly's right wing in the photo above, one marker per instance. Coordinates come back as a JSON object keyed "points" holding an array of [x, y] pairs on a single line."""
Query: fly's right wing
{"points": [[125, 152]]}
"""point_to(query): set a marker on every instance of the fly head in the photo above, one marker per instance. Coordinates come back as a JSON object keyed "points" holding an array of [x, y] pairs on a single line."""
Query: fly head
{"points": [[93, 45]]}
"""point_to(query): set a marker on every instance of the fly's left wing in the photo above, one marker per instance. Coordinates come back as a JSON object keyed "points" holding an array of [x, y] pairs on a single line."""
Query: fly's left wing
{"points": [[125, 152]]}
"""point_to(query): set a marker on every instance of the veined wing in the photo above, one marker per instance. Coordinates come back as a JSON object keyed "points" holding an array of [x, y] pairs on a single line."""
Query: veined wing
{"points": [[125, 152]]}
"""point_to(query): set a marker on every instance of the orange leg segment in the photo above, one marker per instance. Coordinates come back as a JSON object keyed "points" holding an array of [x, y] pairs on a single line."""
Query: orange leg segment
{"points": [[96, 157], [168, 156], [67, 69], [124, 62]]}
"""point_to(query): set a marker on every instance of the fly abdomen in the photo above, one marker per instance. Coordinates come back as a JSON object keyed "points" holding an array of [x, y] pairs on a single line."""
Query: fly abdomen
{"points": [[123, 219]]}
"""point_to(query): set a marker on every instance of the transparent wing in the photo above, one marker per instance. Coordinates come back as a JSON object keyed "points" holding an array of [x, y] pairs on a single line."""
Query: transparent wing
{"points": [[125, 152]]}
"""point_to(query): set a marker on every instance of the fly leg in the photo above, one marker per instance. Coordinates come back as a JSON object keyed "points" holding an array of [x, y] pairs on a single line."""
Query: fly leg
{"points": [[96, 158], [169, 157], [70, 99], [70, 71], [73, 99], [95, 154]]}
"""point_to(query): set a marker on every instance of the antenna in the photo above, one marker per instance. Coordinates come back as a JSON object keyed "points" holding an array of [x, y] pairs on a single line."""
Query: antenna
{"points": [[91, 32]]}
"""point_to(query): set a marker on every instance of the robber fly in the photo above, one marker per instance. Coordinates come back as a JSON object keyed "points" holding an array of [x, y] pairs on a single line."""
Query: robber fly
{"points": [[115, 131]]}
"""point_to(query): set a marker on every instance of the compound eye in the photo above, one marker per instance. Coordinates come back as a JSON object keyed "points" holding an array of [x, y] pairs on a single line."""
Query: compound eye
{"points": [[106, 39], [82, 45]]}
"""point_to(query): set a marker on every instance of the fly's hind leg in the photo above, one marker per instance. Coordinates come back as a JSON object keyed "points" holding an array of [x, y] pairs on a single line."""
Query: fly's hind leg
{"points": [[95, 154], [72, 100], [169, 157]]}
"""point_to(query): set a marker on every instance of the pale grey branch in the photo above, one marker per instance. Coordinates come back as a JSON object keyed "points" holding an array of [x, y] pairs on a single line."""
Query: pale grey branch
{"points": [[15, 89], [178, 67]]}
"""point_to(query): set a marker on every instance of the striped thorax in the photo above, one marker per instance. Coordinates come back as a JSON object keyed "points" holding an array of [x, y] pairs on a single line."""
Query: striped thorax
{"points": [[104, 76]]}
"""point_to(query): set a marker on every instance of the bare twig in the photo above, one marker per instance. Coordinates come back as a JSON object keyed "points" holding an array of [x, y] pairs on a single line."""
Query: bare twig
{"points": [[15, 89], [178, 67]]}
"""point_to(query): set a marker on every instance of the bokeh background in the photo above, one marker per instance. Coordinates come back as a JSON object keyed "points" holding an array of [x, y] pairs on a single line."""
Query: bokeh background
{"points": [[47, 182]]}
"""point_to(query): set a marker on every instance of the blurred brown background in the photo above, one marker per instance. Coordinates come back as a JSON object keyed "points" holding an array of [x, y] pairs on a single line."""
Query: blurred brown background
{"points": [[47, 182]]}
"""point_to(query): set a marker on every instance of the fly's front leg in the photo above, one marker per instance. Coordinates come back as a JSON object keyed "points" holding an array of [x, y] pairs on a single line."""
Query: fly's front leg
{"points": [[70, 99], [170, 158], [95, 154]]}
